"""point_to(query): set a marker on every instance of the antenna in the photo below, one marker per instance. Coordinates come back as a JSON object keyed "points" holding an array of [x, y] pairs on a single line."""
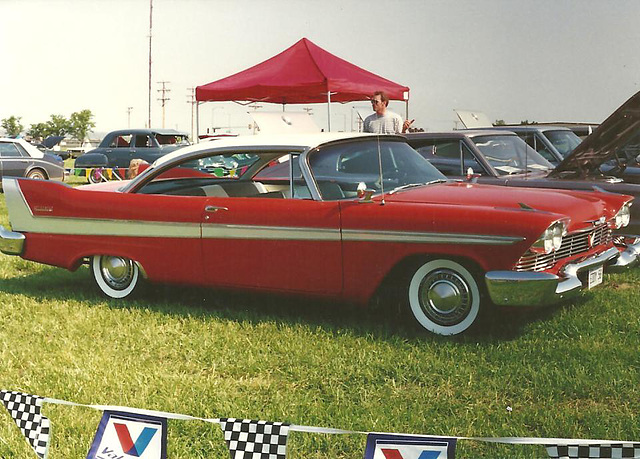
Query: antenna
{"points": [[380, 169]]}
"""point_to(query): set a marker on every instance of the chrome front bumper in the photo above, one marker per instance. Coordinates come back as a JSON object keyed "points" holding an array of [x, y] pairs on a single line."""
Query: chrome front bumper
{"points": [[630, 256], [11, 242], [523, 288]]}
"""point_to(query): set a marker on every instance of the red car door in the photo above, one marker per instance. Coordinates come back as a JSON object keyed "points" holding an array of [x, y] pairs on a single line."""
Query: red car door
{"points": [[276, 244]]}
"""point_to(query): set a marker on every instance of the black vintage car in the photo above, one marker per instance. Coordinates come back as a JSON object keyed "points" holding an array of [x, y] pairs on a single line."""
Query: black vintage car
{"points": [[118, 148], [503, 158]]}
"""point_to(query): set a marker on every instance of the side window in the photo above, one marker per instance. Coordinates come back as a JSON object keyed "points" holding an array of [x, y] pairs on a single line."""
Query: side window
{"points": [[445, 156], [143, 141], [275, 177], [469, 161], [9, 150], [538, 145], [121, 141]]}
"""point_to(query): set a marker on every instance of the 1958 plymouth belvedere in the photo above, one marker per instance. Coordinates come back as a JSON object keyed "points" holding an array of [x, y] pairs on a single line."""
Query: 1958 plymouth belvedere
{"points": [[332, 215]]}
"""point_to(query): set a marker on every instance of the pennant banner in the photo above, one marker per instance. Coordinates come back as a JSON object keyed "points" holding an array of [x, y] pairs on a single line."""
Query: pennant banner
{"points": [[249, 439], [129, 435], [389, 446], [137, 433], [620, 450], [25, 411]]}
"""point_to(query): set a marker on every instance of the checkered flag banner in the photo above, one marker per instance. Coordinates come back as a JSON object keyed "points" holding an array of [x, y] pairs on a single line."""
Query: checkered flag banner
{"points": [[249, 439], [25, 411], [613, 450]]}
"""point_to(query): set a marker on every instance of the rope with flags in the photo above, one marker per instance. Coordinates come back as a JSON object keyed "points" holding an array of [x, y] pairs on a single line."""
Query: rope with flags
{"points": [[125, 431]]}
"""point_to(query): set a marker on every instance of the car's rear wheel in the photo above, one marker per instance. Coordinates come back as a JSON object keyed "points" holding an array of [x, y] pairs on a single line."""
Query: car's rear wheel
{"points": [[116, 277], [36, 174], [443, 297]]}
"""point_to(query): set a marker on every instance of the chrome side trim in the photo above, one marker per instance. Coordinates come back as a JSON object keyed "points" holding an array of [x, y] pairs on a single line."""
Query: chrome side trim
{"points": [[269, 232], [427, 238]]}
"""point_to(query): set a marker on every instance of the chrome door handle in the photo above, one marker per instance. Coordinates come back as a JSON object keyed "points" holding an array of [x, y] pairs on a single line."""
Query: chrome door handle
{"points": [[214, 208]]}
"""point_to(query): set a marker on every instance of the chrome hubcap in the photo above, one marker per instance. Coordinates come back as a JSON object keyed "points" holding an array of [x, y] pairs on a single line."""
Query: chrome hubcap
{"points": [[445, 297], [117, 272]]}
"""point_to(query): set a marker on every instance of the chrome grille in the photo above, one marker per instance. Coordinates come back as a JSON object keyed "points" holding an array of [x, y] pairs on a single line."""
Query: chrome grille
{"points": [[572, 244]]}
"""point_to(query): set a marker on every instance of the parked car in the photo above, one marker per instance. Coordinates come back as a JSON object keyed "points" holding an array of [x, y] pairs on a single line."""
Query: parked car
{"points": [[554, 143], [353, 215], [18, 158], [48, 144], [118, 148], [502, 158]]}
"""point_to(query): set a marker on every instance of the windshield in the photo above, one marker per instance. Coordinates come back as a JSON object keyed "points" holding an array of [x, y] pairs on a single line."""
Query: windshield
{"points": [[509, 154], [350, 164], [564, 141]]}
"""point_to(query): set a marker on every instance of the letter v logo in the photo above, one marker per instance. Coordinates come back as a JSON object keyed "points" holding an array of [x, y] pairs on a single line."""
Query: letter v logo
{"points": [[134, 449], [395, 454]]}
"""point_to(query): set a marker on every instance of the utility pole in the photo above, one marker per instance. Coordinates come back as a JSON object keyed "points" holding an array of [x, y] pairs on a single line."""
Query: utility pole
{"points": [[164, 97], [191, 99], [150, 27], [129, 116]]}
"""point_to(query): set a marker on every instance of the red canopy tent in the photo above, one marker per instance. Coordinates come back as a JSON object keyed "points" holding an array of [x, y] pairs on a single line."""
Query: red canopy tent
{"points": [[301, 74]]}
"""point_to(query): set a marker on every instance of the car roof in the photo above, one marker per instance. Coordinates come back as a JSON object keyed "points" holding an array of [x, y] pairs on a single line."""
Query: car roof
{"points": [[281, 141], [33, 151], [529, 128], [147, 131], [458, 133]]}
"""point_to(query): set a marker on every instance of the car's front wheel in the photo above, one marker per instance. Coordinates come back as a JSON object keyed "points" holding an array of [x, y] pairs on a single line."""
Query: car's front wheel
{"points": [[443, 297], [116, 277]]}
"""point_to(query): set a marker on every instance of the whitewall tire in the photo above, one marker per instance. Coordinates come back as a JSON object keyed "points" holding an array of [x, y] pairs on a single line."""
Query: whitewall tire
{"points": [[444, 297], [116, 277]]}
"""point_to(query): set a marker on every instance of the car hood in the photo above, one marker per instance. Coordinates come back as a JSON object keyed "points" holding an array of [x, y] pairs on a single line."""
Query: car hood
{"points": [[52, 141], [582, 207], [601, 146]]}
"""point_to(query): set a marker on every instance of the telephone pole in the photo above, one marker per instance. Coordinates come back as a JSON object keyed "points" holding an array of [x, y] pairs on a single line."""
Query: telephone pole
{"points": [[191, 99], [129, 116], [150, 27], [164, 97]]}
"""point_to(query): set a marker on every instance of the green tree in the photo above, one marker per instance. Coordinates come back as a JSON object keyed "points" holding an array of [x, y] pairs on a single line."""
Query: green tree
{"points": [[58, 125], [12, 125], [81, 124], [38, 130], [499, 123]]}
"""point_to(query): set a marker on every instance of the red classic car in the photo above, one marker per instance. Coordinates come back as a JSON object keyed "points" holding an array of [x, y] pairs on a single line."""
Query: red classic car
{"points": [[332, 215]]}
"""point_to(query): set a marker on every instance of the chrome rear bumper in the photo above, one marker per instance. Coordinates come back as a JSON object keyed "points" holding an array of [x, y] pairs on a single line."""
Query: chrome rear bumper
{"points": [[520, 288], [11, 242]]}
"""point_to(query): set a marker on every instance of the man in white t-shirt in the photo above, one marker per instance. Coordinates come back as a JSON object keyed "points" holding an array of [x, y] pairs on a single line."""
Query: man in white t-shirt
{"points": [[384, 121]]}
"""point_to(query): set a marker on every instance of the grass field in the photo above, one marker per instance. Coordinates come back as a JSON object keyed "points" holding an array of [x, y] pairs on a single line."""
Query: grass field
{"points": [[568, 371]]}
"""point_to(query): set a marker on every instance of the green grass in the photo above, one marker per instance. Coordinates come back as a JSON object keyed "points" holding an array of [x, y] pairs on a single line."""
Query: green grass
{"points": [[568, 371]]}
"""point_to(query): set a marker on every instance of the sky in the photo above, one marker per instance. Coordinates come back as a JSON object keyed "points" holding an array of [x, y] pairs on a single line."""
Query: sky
{"points": [[542, 60]]}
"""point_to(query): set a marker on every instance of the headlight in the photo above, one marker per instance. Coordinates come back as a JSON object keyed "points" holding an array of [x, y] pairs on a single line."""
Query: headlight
{"points": [[623, 216], [551, 239]]}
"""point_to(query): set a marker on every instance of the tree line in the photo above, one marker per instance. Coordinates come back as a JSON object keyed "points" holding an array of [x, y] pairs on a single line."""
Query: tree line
{"points": [[78, 126]]}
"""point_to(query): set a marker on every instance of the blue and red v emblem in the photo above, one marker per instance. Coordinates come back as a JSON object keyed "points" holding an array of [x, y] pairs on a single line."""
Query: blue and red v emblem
{"points": [[395, 454], [128, 446]]}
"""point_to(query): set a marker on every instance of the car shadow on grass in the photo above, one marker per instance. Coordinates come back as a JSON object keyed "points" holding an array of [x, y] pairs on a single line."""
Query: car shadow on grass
{"points": [[382, 320]]}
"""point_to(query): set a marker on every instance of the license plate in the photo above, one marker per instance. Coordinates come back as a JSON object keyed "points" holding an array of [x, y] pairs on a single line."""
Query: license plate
{"points": [[595, 277]]}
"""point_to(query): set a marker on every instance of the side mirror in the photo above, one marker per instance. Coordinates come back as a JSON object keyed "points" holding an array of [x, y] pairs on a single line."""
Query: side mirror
{"points": [[364, 193], [471, 176]]}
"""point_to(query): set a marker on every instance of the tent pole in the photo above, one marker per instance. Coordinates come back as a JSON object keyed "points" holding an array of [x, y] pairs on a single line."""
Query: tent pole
{"points": [[329, 111], [197, 139], [406, 109]]}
